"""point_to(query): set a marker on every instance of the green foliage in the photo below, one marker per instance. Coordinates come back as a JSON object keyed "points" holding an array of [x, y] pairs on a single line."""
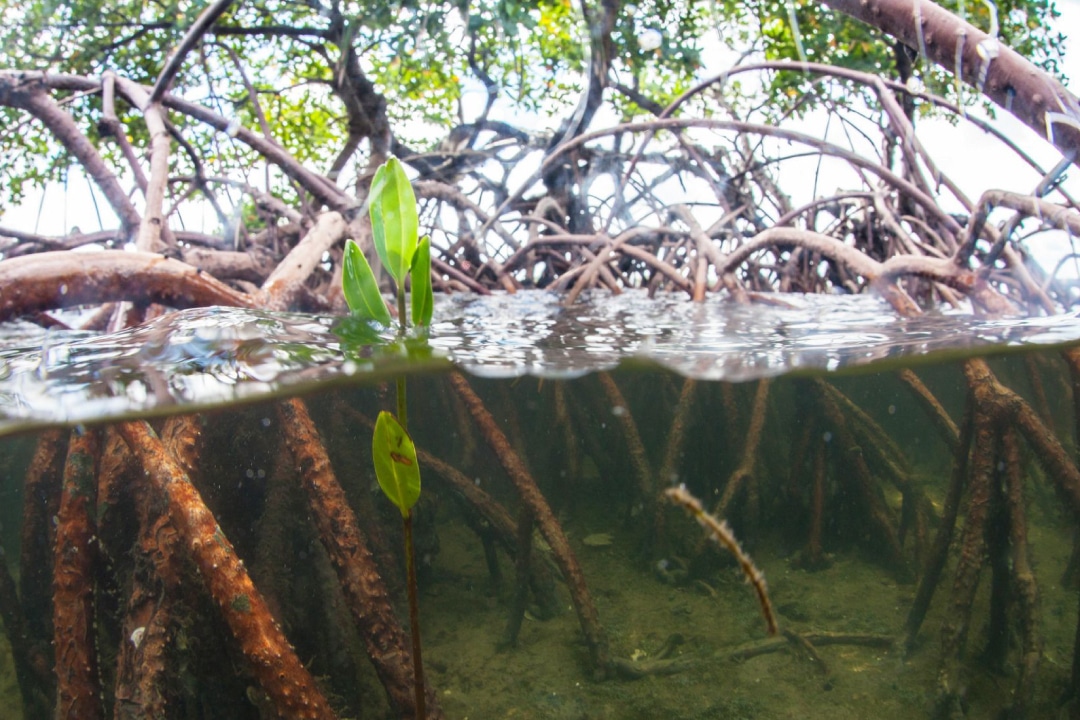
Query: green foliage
{"points": [[392, 206], [27, 157], [395, 463], [360, 287], [423, 300], [394, 221], [423, 58], [685, 28]]}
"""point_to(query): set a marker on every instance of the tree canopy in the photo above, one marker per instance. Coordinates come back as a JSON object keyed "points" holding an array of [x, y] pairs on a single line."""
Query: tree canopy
{"points": [[321, 73]]}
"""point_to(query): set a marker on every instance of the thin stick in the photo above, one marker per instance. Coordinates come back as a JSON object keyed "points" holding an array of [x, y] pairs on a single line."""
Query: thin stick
{"points": [[676, 440], [414, 618], [521, 567], [762, 647], [203, 23], [864, 482], [745, 471], [939, 552], [1024, 586], [634, 446], [719, 531], [937, 413]]}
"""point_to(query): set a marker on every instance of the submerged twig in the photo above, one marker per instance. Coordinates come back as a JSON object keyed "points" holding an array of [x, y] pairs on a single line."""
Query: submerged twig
{"points": [[719, 531]]}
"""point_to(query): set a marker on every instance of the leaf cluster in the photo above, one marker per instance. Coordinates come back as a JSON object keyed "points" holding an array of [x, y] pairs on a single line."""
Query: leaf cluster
{"points": [[394, 229]]}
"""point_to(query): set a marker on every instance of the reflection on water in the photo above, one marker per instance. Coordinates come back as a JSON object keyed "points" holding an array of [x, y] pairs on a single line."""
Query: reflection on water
{"points": [[836, 485], [204, 357]]}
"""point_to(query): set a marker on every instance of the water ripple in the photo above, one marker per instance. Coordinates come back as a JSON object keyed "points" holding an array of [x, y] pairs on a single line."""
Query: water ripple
{"points": [[205, 357]]}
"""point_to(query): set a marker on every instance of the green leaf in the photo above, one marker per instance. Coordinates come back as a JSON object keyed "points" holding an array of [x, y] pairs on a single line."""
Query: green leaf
{"points": [[394, 222], [423, 302], [395, 463], [360, 287]]}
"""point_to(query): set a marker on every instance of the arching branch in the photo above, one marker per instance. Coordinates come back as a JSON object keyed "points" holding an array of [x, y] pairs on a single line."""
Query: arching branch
{"points": [[995, 70], [26, 91]]}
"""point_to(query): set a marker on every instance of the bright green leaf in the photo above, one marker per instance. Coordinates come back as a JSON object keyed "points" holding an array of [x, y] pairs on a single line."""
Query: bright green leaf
{"points": [[395, 463], [360, 287], [423, 302], [394, 221]]}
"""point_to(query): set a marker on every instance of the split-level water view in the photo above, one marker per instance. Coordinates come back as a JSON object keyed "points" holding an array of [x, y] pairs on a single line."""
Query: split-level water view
{"points": [[202, 489]]}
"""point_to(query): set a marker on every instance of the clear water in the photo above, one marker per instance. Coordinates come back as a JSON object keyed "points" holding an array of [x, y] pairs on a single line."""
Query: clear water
{"points": [[196, 359], [537, 368]]}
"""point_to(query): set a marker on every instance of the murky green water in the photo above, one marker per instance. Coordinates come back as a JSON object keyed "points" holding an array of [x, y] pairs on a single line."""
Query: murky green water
{"points": [[821, 495]]}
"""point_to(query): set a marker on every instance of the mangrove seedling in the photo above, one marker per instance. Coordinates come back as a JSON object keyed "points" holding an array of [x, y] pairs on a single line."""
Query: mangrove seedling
{"points": [[394, 225]]}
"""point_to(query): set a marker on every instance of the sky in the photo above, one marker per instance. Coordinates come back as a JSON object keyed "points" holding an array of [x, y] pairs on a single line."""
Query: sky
{"points": [[976, 161]]}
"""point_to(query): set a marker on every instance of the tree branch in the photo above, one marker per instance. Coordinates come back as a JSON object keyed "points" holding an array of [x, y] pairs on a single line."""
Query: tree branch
{"points": [[323, 190], [52, 280], [26, 92], [995, 70], [207, 18]]}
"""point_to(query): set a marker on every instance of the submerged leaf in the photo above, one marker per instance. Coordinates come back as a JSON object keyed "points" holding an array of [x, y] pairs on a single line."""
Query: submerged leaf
{"points": [[394, 221], [360, 287], [423, 301], [395, 462]]}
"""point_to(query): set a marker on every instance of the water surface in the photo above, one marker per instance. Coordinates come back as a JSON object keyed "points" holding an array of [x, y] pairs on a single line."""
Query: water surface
{"points": [[199, 358]]}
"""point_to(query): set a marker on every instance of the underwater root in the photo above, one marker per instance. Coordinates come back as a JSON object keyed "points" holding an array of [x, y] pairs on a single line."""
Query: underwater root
{"points": [[347, 546], [743, 475], [865, 484], [673, 449], [721, 533], [273, 662], [78, 683], [639, 459], [988, 461], [802, 641], [660, 663], [545, 520]]}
